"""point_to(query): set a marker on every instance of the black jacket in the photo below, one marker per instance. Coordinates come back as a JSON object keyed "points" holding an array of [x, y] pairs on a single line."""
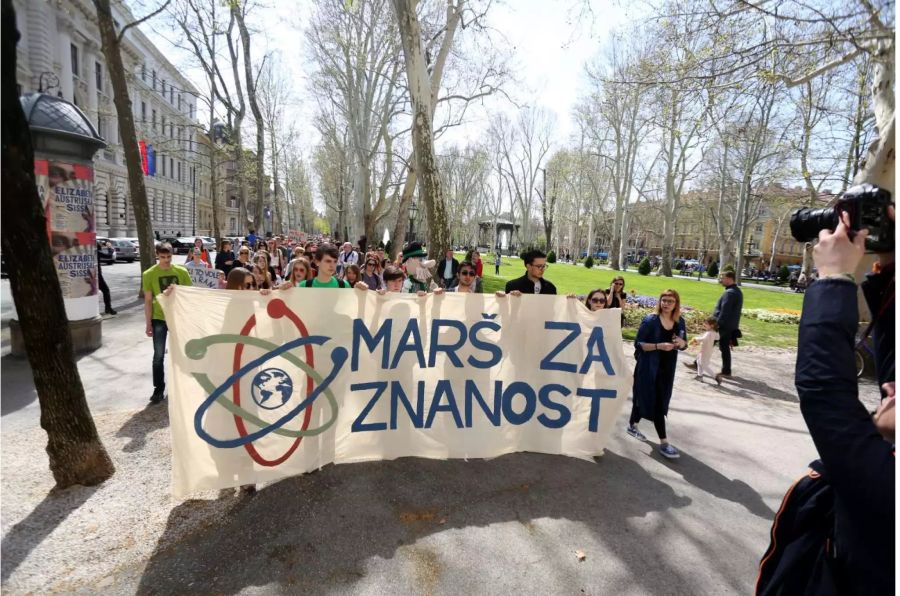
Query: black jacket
{"points": [[442, 264], [728, 308], [858, 462], [221, 257], [526, 286], [878, 290]]}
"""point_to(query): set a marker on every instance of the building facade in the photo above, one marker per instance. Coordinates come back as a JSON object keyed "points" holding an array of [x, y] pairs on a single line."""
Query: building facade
{"points": [[59, 52]]}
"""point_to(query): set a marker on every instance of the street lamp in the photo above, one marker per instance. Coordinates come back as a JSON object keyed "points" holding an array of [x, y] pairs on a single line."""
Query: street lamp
{"points": [[413, 212]]}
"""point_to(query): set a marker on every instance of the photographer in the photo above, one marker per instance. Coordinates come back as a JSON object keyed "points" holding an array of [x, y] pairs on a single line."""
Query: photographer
{"points": [[834, 533]]}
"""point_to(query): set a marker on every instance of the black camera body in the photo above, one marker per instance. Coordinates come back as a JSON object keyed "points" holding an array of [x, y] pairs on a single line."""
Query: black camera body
{"points": [[866, 205]]}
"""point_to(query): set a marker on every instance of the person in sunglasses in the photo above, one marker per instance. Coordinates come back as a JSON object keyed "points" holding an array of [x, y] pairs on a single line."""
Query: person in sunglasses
{"points": [[533, 281], [371, 275], [468, 282], [596, 300]]}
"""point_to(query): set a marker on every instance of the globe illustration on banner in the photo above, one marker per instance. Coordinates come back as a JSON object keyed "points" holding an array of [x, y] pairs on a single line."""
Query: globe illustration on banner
{"points": [[271, 388]]}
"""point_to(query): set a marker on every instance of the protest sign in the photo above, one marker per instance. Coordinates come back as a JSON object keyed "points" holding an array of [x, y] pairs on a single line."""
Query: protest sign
{"points": [[264, 387], [205, 277]]}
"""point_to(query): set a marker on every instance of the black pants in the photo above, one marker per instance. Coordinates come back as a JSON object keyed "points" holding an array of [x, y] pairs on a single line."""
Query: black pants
{"points": [[104, 289], [725, 349], [659, 416]]}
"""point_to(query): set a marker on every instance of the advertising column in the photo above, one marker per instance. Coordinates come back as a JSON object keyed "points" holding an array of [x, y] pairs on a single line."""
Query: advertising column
{"points": [[67, 194]]}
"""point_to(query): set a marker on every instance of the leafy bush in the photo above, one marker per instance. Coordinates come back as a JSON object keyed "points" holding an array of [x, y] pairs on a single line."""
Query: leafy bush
{"points": [[589, 262], [784, 273], [551, 257], [713, 270], [644, 268], [693, 319]]}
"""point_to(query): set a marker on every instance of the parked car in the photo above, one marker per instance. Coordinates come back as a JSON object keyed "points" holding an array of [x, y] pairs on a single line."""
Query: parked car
{"points": [[106, 250], [180, 246], [124, 250], [208, 242], [137, 245]]}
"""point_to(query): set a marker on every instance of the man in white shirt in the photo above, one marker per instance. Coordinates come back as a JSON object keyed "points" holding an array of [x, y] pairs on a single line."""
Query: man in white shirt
{"points": [[347, 257], [448, 268]]}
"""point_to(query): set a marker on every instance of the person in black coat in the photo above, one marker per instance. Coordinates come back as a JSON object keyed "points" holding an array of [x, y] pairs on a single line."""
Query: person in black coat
{"points": [[849, 547], [448, 269], [533, 281], [225, 258], [728, 315]]}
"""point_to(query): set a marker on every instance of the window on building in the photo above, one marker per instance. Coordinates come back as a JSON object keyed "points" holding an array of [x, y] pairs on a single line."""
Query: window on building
{"points": [[75, 70], [172, 94], [163, 128], [164, 88], [143, 112], [179, 102], [154, 80], [144, 72], [162, 158], [154, 119], [172, 167], [192, 111], [98, 75], [101, 127], [179, 171], [233, 226], [232, 202], [759, 227]]}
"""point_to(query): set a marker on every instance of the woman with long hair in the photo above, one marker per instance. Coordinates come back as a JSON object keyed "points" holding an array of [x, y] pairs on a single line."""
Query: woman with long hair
{"points": [[616, 293], [659, 339], [261, 270], [351, 274], [371, 272], [596, 300], [204, 254], [298, 271]]}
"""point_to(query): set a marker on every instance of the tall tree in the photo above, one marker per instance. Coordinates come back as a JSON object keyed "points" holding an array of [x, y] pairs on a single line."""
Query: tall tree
{"points": [[111, 37], [77, 455]]}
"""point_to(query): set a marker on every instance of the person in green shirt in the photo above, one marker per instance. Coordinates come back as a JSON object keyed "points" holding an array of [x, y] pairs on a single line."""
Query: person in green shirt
{"points": [[326, 260], [154, 281]]}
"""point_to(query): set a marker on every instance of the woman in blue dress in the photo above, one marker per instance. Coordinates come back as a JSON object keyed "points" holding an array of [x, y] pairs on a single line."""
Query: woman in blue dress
{"points": [[659, 339]]}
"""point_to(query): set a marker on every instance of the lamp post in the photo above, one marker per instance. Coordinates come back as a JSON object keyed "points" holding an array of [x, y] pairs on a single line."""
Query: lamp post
{"points": [[193, 201], [413, 212]]}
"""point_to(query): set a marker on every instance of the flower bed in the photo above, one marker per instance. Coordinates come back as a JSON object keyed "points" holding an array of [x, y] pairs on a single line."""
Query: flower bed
{"points": [[778, 315]]}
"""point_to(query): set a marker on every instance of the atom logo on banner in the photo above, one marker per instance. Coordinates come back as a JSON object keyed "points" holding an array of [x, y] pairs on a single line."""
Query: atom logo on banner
{"points": [[271, 388]]}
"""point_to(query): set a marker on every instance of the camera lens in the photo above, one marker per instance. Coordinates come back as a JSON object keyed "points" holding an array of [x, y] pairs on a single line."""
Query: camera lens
{"points": [[806, 223]]}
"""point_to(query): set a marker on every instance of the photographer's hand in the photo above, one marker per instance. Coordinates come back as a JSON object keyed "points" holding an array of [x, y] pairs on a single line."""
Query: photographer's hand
{"points": [[835, 253]]}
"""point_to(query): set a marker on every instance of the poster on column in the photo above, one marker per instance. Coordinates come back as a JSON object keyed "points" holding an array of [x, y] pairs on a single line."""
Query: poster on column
{"points": [[268, 386], [66, 192]]}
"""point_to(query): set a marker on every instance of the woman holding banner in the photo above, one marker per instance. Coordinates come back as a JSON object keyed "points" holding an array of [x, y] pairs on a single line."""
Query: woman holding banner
{"points": [[659, 339]]}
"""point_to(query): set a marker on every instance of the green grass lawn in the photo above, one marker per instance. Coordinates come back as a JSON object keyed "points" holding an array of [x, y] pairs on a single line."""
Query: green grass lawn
{"points": [[699, 295]]}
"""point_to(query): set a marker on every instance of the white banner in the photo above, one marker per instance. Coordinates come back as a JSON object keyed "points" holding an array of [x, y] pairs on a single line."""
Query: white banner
{"points": [[264, 387]]}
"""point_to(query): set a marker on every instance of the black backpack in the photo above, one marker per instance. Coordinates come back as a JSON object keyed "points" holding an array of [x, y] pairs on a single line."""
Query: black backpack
{"points": [[308, 283], [800, 559]]}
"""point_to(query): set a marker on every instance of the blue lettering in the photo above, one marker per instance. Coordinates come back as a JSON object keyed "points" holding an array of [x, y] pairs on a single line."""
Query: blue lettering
{"points": [[596, 395], [496, 354], [383, 335], [574, 331], [564, 414], [513, 389], [596, 341], [398, 395], [442, 387], [410, 333], [358, 424], [450, 349], [492, 414]]}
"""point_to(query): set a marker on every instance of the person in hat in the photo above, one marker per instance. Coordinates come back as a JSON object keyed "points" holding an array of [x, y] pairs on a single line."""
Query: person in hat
{"points": [[418, 275]]}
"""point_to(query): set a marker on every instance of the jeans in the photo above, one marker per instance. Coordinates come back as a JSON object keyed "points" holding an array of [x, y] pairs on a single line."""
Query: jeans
{"points": [[160, 333], [725, 348], [104, 289]]}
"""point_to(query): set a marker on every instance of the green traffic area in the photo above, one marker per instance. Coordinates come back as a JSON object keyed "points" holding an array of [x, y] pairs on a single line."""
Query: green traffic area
{"points": [[698, 295]]}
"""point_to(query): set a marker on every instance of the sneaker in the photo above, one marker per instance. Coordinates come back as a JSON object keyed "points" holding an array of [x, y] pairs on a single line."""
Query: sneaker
{"points": [[719, 379], [668, 451], [634, 432], [158, 396], [691, 365], [111, 311]]}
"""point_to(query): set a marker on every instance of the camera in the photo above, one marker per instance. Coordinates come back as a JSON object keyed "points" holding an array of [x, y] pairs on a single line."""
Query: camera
{"points": [[866, 205]]}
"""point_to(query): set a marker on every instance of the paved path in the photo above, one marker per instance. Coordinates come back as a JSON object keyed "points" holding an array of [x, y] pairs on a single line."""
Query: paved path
{"points": [[411, 526]]}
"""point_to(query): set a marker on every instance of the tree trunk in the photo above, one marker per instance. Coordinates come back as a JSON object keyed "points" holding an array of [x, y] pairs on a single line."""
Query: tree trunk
{"points": [[117, 79], [257, 115], [422, 135], [76, 453], [401, 225], [879, 163]]}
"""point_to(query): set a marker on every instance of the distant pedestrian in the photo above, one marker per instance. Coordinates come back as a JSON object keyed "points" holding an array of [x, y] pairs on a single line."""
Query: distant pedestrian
{"points": [[479, 265], [728, 316], [252, 238], [659, 338], [448, 269], [154, 281], [104, 289], [225, 258], [497, 262], [707, 341], [204, 254], [196, 261]]}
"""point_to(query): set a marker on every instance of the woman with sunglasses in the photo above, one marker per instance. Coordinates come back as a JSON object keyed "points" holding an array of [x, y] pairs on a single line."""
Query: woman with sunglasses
{"points": [[243, 258], [617, 298], [596, 300], [659, 339], [298, 271], [371, 273]]}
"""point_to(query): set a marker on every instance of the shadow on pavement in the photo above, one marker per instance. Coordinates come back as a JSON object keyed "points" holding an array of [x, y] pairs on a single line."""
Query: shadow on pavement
{"points": [[705, 478], [18, 384], [23, 537], [741, 420], [320, 532], [152, 417], [753, 388]]}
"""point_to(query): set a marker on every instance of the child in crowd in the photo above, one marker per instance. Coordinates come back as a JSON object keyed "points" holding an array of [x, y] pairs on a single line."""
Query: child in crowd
{"points": [[707, 342], [393, 278]]}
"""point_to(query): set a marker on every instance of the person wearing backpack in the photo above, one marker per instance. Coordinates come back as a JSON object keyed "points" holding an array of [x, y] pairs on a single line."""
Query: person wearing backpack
{"points": [[327, 260], [834, 532]]}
